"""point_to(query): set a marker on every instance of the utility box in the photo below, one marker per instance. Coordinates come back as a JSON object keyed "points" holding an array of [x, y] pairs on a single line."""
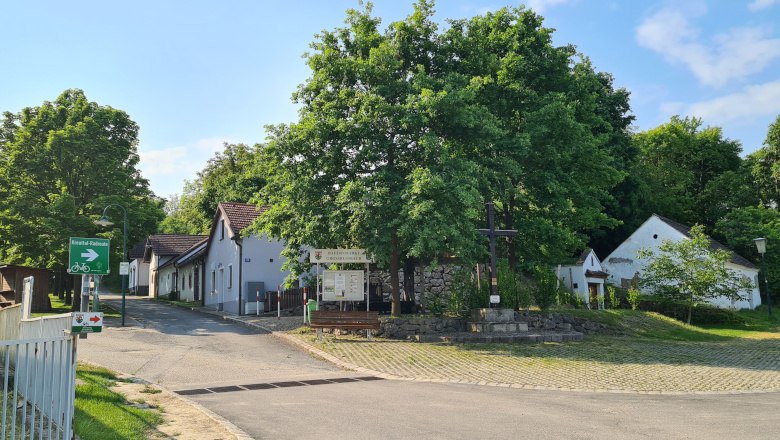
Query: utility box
{"points": [[251, 297]]}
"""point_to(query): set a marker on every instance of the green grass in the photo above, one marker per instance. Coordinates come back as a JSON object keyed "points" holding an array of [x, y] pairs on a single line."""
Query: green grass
{"points": [[58, 306], [103, 414]]}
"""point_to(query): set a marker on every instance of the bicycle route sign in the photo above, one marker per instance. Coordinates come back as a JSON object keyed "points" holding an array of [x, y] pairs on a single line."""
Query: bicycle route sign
{"points": [[88, 256]]}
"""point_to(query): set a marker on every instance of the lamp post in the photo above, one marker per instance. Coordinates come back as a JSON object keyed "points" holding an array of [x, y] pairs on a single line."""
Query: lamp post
{"points": [[105, 222], [761, 247]]}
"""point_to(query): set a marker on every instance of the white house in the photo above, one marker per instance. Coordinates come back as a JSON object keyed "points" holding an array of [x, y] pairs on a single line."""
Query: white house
{"points": [[585, 278], [160, 251], [189, 272], [624, 268], [236, 266], [138, 274]]}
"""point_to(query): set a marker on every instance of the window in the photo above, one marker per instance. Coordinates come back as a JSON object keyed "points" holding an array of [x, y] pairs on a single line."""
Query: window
{"points": [[213, 281], [230, 276], [575, 285], [222, 229], [190, 281]]}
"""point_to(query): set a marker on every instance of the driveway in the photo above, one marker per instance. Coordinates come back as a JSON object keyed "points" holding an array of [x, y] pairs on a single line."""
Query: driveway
{"points": [[184, 350]]}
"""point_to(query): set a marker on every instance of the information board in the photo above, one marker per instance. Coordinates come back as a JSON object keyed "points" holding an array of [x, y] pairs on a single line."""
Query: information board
{"points": [[343, 285]]}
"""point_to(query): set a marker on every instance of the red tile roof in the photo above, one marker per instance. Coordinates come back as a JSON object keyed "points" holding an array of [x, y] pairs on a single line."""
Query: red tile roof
{"points": [[173, 244], [240, 215]]}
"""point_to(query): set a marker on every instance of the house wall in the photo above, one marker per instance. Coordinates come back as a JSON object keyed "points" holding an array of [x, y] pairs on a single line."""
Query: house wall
{"points": [[187, 282], [138, 281], [12, 283], [257, 258], [155, 282], [166, 283], [575, 275], [625, 268]]}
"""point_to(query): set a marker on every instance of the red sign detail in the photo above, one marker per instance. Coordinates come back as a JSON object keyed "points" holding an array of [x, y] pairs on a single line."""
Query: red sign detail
{"points": [[94, 319]]}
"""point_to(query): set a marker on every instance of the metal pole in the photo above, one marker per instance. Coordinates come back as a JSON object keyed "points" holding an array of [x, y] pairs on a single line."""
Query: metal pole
{"points": [[124, 257], [766, 284]]}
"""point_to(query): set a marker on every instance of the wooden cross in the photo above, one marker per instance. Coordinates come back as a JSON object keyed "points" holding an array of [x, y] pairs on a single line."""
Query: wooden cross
{"points": [[492, 233]]}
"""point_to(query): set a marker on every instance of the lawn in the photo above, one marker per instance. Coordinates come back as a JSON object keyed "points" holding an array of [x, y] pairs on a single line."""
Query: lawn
{"points": [[103, 414], [58, 306]]}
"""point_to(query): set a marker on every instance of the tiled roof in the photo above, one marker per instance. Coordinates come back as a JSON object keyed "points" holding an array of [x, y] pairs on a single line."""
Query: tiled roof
{"points": [[190, 254], [584, 255], [137, 251], [240, 215], [173, 244], [686, 230]]}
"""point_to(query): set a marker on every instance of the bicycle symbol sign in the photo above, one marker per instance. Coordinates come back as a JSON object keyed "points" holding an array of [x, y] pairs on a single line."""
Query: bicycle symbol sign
{"points": [[88, 256]]}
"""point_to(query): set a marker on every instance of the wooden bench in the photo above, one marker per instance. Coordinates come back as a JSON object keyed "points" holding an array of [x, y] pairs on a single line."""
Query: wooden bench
{"points": [[321, 319]]}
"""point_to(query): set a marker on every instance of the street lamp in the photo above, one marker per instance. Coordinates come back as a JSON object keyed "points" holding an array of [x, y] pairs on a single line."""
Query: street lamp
{"points": [[761, 247], [105, 222]]}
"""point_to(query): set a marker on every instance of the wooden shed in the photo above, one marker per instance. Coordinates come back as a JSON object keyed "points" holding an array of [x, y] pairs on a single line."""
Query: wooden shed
{"points": [[12, 281]]}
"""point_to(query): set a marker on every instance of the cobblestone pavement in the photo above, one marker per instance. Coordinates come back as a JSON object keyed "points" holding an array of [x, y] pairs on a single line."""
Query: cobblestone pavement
{"points": [[611, 364]]}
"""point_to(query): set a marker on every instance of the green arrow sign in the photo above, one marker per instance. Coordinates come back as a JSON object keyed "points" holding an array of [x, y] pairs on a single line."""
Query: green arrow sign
{"points": [[88, 256]]}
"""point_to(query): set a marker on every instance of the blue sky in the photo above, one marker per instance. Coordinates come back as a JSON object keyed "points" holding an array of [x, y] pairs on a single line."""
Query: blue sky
{"points": [[195, 74]]}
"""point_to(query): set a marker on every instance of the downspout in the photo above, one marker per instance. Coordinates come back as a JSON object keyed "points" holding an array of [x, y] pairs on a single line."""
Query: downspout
{"points": [[240, 274]]}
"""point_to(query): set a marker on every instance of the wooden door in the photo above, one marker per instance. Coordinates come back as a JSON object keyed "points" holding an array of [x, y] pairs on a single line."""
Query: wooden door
{"points": [[593, 289]]}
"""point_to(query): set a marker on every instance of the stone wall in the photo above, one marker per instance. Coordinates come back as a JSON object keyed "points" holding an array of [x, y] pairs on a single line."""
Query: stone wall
{"points": [[402, 328], [435, 279], [559, 321]]}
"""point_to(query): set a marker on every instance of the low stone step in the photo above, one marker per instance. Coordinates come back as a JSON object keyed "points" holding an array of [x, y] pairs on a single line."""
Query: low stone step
{"points": [[497, 327], [505, 338]]}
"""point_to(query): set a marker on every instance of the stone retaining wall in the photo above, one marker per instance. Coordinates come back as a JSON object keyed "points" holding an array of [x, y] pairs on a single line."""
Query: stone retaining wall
{"points": [[564, 322], [403, 328]]}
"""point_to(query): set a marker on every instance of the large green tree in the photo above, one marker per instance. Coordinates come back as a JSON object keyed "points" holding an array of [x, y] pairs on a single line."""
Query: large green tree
{"points": [[405, 133], [232, 175], [680, 161], [62, 163], [766, 167], [740, 227]]}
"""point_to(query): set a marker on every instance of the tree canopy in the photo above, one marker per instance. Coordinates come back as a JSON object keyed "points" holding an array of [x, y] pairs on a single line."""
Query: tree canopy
{"points": [[404, 134], [62, 163]]}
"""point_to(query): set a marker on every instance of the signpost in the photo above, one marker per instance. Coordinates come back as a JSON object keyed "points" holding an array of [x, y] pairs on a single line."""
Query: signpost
{"points": [[88, 256], [341, 285], [86, 322], [492, 233]]}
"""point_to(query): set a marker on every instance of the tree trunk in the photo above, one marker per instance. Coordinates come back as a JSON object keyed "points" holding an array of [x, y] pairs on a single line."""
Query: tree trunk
{"points": [[509, 224], [690, 309], [76, 303], [67, 282], [394, 284]]}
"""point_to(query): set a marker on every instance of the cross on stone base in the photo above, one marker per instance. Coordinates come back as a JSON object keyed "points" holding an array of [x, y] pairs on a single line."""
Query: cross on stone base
{"points": [[492, 233]]}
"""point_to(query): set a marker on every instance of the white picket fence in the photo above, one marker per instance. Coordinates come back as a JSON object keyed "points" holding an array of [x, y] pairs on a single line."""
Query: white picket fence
{"points": [[39, 368]]}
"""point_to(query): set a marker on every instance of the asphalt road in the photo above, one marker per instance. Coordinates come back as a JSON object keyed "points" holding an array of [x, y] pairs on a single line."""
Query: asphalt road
{"points": [[180, 349]]}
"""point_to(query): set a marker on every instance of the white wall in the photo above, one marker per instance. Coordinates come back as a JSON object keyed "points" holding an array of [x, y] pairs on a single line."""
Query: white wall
{"points": [[187, 282], [139, 275], [623, 265], [167, 280], [575, 275], [255, 264]]}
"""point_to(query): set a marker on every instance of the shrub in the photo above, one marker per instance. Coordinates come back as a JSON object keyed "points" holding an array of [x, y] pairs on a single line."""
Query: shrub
{"points": [[546, 291], [702, 314], [633, 298], [434, 303], [614, 301]]}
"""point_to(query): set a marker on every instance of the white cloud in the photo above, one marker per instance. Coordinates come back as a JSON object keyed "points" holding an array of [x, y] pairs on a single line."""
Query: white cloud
{"points": [[540, 5], [167, 169], [755, 101], [757, 5], [734, 54]]}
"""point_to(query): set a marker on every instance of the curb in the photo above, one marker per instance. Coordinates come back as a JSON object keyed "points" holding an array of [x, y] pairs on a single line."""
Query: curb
{"points": [[350, 366], [229, 426]]}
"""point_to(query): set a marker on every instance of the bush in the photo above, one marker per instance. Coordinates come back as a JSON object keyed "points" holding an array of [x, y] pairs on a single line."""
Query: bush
{"points": [[546, 291], [633, 298], [614, 300], [702, 314], [434, 303]]}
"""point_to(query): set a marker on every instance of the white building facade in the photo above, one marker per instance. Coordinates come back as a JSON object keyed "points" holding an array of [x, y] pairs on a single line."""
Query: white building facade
{"points": [[585, 278], [236, 265], [625, 269]]}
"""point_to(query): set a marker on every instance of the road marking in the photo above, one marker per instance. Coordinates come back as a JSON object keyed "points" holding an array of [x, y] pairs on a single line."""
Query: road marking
{"points": [[268, 386]]}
